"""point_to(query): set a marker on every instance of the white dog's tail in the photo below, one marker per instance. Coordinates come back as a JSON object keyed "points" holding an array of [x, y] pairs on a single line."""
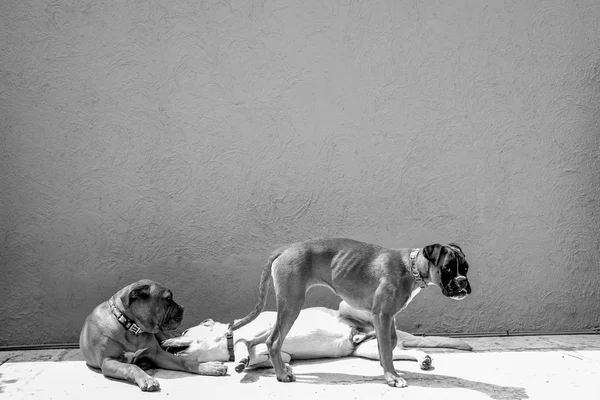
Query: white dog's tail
{"points": [[263, 292], [409, 340]]}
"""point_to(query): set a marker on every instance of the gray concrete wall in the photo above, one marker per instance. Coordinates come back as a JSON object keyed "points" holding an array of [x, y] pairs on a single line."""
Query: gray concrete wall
{"points": [[184, 140]]}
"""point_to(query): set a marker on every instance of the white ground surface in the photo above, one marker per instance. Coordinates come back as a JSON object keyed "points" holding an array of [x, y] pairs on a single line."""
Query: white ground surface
{"points": [[540, 367]]}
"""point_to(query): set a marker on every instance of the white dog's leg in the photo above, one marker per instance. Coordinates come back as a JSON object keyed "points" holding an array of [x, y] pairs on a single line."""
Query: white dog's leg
{"points": [[369, 350], [259, 357], [242, 355]]}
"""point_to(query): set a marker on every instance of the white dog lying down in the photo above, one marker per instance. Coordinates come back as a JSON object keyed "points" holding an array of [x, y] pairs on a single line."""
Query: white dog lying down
{"points": [[318, 332]]}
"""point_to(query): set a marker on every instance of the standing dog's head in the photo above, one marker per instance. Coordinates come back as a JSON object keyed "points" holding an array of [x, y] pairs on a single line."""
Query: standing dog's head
{"points": [[151, 306], [448, 269]]}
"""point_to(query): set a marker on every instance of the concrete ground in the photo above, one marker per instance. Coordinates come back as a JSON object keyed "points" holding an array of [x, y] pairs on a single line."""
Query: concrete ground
{"points": [[534, 367]]}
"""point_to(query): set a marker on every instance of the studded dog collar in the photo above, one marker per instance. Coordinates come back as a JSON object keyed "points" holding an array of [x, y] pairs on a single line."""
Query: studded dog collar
{"points": [[413, 269], [123, 319]]}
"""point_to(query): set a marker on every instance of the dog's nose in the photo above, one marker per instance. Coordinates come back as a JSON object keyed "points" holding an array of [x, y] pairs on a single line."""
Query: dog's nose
{"points": [[461, 282], [468, 287]]}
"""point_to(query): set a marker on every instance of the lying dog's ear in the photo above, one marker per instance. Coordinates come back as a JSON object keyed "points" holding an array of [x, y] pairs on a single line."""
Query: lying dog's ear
{"points": [[207, 322], [433, 252], [138, 292]]}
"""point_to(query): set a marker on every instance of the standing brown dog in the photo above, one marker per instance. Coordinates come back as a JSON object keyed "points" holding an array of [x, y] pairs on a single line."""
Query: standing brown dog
{"points": [[118, 335], [367, 277]]}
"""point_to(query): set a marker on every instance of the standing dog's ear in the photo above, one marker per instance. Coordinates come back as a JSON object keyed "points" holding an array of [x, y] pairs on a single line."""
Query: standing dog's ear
{"points": [[457, 246], [137, 292], [433, 252]]}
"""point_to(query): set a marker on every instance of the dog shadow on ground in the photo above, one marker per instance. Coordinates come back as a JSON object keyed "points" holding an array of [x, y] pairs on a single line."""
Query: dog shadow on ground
{"points": [[415, 379], [5, 382]]}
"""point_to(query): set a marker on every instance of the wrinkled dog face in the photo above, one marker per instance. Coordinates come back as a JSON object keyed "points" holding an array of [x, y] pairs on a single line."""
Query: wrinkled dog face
{"points": [[152, 306], [451, 269], [203, 342]]}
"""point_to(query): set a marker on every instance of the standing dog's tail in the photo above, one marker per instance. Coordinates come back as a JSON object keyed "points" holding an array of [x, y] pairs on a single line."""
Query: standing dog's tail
{"points": [[263, 291]]}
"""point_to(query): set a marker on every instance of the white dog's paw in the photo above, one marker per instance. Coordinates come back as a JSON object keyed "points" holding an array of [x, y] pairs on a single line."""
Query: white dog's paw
{"points": [[426, 363], [213, 368]]}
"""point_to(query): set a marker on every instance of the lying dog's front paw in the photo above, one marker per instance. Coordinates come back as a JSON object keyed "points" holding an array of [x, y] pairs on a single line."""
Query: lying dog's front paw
{"points": [[426, 363], [148, 384], [395, 381], [213, 368]]}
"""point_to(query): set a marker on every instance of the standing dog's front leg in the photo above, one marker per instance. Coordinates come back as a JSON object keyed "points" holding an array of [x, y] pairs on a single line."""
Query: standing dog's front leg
{"points": [[383, 326]]}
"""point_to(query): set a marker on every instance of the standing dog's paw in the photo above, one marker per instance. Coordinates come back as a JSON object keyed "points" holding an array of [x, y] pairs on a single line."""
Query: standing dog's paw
{"points": [[395, 381], [148, 384], [426, 363], [213, 368], [288, 376]]}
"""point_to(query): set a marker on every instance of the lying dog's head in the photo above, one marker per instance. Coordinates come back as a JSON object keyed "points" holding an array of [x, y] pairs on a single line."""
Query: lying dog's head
{"points": [[448, 269], [151, 306], [203, 342]]}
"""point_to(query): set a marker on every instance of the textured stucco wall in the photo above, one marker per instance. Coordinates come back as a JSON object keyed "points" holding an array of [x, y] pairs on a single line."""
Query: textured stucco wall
{"points": [[184, 140]]}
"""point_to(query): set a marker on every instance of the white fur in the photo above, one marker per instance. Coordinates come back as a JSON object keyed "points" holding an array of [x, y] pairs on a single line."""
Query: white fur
{"points": [[318, 332]]}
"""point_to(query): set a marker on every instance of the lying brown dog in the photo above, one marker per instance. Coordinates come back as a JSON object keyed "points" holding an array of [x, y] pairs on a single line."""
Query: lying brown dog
{"points": [[119, 336]]}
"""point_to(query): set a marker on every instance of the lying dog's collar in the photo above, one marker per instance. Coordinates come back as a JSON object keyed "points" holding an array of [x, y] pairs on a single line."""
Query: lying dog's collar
{"points": [[413, 269], [123, 319], [229, 336]]}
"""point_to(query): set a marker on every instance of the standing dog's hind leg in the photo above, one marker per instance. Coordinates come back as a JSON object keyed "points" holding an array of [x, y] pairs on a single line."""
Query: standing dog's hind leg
{"points": [[289, 298], [284, 323]]}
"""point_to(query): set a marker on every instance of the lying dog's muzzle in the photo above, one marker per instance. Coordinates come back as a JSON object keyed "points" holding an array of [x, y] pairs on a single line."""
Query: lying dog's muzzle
{"points": [[174, 318]]}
